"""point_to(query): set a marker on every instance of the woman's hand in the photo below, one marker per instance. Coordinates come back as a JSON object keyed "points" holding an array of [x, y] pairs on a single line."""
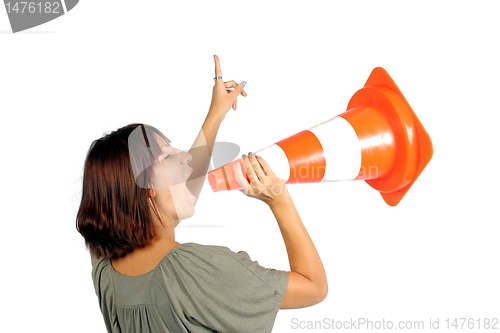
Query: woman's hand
{"points": [[224, 93], [264, 184]]}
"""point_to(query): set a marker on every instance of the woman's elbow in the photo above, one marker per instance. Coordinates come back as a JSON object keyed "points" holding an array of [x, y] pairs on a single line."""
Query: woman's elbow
{"points": [[302, 292], [321, 292]]}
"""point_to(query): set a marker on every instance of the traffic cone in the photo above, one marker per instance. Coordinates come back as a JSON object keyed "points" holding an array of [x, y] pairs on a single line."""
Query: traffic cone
{"points": [[378, 139]]}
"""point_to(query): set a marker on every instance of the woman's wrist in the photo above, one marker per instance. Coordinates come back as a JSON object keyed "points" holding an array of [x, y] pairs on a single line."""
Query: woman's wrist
{"points": [[211, 126], [214, 117], [216, 113], [284, 201]]}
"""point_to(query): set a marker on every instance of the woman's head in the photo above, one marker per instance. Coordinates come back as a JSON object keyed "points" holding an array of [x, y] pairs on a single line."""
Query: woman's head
{"points": [[132, 179]]}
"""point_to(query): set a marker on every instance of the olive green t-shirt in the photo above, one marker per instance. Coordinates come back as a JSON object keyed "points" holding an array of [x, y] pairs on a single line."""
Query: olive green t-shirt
{"points": [[195, 288]]}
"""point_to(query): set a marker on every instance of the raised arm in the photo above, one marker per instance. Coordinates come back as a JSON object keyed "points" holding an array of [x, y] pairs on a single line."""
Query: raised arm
{"points": [[223, 99], [307, 283]]}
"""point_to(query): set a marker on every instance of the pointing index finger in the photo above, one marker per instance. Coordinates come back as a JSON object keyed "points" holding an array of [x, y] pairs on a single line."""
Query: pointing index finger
{"points": [[218, 71]]}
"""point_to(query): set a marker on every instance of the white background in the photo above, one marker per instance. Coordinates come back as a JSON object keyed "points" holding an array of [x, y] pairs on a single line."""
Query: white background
{"points": [[109, 63]]}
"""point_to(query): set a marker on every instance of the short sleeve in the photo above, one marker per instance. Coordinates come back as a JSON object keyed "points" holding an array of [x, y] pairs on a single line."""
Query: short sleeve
{"points": [[104, 290], [224, 290]]}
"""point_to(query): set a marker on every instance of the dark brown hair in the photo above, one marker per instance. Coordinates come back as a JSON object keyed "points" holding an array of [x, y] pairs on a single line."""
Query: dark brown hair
{"points": [[115, 215]]}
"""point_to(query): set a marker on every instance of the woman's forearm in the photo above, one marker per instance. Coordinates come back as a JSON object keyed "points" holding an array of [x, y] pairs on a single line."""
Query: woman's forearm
{"points": [[201, 152]]}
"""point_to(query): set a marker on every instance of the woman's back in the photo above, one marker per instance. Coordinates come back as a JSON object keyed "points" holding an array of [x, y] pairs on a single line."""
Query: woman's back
{"points": [[144, 259], [194, 288]]}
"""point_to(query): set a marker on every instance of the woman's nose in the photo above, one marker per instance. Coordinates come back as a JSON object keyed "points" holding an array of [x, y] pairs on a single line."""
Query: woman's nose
{"points": [[186, 157]]}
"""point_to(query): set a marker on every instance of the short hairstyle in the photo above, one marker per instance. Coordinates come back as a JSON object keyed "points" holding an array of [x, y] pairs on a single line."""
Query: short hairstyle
{"points": [[115, 215]]}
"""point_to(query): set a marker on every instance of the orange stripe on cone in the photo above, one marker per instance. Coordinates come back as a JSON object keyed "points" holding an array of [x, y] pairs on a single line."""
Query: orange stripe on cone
{"points": [[305, 156], [224, 178]]}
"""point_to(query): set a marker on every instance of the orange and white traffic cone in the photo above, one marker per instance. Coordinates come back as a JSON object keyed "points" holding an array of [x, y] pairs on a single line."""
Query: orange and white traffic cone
{"points": [[378, 139]]}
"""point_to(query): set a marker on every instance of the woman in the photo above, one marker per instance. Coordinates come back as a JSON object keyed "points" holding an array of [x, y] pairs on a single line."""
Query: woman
{"points": [[136, 189]]}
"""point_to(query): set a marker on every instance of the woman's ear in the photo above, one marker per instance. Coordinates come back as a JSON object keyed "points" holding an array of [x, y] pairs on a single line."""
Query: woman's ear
{"points": [[151, 193]]}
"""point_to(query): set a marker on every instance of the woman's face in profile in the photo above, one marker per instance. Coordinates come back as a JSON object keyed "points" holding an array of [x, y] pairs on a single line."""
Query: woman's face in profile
{"points": [[171, 173]]}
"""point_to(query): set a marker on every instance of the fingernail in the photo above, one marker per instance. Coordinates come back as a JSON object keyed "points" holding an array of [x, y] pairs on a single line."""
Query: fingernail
{"points": [[250, 153], [243, 155], [244, 83]]}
